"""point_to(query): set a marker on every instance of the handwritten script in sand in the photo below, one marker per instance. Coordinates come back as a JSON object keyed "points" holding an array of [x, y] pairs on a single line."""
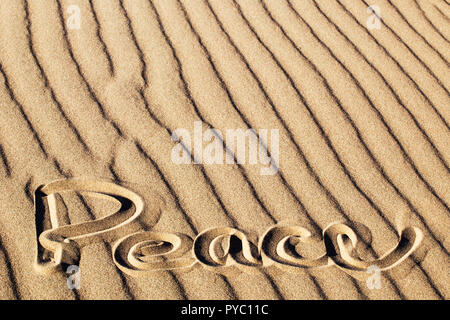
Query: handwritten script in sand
{"points": [[224, 249]]}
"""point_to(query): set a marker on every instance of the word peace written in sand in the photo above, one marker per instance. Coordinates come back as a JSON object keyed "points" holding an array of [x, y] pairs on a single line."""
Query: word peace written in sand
{"points": [[224, 250]]}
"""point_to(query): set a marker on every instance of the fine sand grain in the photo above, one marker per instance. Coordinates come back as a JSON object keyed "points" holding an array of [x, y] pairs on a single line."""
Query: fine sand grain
{"points": [[363, 117]]}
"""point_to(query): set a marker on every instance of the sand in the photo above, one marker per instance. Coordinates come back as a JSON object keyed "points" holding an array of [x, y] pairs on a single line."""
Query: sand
{"points": [[364, 141]]}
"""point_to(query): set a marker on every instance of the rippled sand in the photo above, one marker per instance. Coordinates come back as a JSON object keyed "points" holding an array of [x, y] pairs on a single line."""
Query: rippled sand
{"points": [[363, 116]]}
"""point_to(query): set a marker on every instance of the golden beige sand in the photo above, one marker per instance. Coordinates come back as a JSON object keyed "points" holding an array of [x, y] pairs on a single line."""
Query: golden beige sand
{"points": [[362, 113]]}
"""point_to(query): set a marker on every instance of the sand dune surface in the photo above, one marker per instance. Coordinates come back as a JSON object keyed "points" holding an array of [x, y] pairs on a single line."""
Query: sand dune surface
{"points": [[121, 176]]}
